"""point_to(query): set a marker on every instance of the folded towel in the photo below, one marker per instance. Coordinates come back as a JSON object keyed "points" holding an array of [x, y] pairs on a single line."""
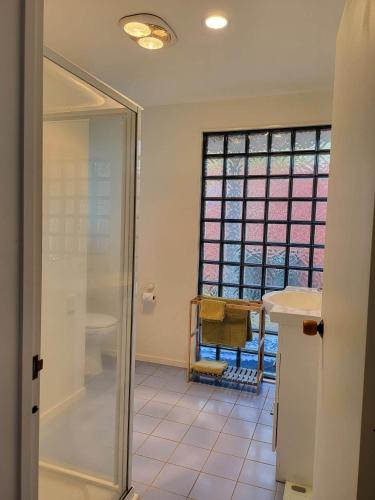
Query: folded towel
{"points": [[210, 367], [233, 331], [212, 310]]}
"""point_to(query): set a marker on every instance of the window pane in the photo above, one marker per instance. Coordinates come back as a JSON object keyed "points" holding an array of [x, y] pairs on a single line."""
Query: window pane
{"points": [[280, 165], [214, 189], [231, 292], [258, 142], [298, 278], [210, 272], [276, 233], [255, 210], [318, 257], [302, 188], [210, 290], [253, 276], [278, 210], [257, 165], [301, 210], [325, 139], [236, 143], [279, 188], [271, 343], [321, 211], [300, 233], [226, 355], [253, 344], [236, 166], [232, 253], [276, 256], [324, 161], [231, 274], [251, 294], [253, 254], [233, 210], [215, 144], [212, 210], [320, 235], [317, 279], [304, 165], [281, 141], [299, 257], [208, 352], [249, 360], [211, 251], [234, 188], [305, 140], [212, 230], [275, 277], [254, 232], [256, 188], [214, 166], [322, 191], [232, 231]]}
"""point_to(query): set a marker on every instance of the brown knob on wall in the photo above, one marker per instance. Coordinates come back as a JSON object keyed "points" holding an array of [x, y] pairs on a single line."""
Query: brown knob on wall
{"points": [[311, 327]]}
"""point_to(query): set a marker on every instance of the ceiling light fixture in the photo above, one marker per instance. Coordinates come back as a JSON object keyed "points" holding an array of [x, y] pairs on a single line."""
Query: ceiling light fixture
{"points": [[150, 42], [148, 31], [137, 29], [216, 22]]}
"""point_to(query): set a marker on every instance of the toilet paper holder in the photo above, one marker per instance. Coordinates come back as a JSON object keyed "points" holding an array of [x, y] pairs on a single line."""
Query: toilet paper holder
{"points": [[148, 294]]}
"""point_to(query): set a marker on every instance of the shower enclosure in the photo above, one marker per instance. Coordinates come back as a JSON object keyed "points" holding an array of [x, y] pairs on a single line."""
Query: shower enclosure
{"points": [[89, 165]]}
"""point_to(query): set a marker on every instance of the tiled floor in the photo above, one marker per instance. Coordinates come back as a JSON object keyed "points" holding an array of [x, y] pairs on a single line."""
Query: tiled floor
{"points": [[199, 441]]}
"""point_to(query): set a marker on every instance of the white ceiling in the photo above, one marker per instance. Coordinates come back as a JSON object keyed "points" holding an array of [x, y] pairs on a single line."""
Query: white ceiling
{"points": [[269, 46]]}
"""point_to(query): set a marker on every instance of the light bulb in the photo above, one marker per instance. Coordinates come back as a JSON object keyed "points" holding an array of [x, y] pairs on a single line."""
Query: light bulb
{"points": [[150, 42], [136, 29], [216, 22]]}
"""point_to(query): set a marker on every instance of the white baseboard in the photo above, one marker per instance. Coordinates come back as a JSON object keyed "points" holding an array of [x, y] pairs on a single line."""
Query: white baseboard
{"points": [[160, 361], [63, 405]]}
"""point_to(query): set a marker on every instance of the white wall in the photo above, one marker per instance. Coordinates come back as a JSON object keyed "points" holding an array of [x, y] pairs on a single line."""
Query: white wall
{"points": [[347, 262], [170, 203], [64, 276]]}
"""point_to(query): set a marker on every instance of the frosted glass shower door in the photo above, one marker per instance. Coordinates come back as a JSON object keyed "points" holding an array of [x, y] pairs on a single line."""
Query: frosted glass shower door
{"points": [[88, 165]]}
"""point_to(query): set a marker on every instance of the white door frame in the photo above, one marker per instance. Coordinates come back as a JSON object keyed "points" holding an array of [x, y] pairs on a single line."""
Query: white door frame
{"points": [[31, 233]]}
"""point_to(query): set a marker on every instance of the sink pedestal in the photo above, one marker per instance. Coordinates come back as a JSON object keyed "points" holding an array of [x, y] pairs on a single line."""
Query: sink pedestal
{"points": [[296, 394]]}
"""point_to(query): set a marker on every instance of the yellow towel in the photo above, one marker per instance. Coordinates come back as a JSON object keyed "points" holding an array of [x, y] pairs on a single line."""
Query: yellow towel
{"points": [[234, 331], [209, 367], [212, 310]]}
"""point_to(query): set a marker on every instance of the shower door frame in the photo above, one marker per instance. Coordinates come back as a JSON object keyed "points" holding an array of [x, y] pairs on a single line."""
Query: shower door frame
{"points": [[31, 336]]}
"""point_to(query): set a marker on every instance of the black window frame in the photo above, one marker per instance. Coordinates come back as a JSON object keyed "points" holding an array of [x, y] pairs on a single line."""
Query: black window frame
{"points": [[291, 176]]}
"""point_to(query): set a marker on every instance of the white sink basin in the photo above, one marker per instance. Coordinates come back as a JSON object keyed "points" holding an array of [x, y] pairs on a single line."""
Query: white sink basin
{"points": [[294, 300]]}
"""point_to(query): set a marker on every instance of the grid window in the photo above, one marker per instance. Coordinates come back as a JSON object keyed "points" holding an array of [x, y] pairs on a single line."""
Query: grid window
{"points": [[264, 204]]}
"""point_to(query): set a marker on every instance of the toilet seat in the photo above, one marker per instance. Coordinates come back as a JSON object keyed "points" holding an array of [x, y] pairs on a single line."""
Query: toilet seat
{"points": [[95, 321]]}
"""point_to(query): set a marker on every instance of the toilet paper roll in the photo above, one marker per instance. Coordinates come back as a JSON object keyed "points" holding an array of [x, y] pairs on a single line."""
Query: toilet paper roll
{"points": [[148, 297]]}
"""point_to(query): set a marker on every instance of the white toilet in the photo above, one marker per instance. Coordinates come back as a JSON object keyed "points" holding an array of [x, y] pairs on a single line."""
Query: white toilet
{"points": [[99, 327]]}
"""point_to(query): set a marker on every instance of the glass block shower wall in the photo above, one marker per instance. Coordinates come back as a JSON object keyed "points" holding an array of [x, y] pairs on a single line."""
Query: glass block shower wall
{"points": [[263, 213]]}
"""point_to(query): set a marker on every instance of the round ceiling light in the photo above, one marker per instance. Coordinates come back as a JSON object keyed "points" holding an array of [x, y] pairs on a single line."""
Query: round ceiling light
{"points": [[148, 31], [134, 28], [216, 22], [150, 42]]}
